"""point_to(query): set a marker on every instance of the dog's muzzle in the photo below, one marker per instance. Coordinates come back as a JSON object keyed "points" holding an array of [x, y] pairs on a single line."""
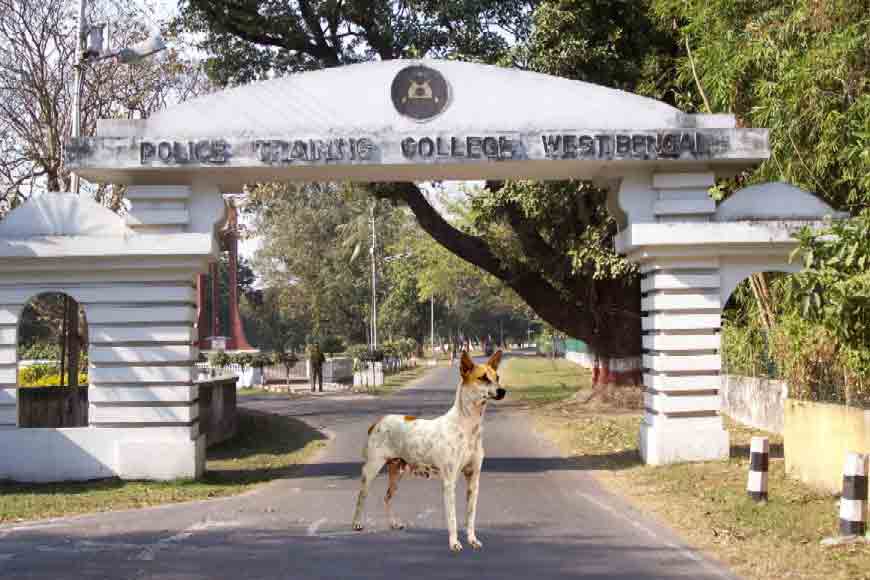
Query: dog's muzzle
{"points": [[499, 394]]}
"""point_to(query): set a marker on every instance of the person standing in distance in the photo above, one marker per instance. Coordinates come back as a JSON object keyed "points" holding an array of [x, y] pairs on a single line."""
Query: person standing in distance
{"points": [[316, 360]]}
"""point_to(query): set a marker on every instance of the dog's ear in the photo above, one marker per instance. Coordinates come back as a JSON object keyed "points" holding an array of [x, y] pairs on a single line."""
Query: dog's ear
{"points": [[494, 360], [466, 365]]}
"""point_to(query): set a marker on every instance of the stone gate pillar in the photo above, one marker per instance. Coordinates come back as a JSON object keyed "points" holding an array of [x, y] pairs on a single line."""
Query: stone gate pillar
{"points": [[681, 319], [692, 254]]}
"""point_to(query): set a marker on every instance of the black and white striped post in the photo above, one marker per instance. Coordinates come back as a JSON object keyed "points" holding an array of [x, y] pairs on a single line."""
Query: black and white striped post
{"points": [[853, 503], [759, 460]]}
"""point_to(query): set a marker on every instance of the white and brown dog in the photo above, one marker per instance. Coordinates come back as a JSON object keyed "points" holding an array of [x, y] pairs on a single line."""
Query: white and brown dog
{"points": [[445, 446]]}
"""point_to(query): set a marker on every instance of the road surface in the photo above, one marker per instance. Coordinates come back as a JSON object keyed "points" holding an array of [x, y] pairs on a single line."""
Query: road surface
{"points": [[539, 517]]}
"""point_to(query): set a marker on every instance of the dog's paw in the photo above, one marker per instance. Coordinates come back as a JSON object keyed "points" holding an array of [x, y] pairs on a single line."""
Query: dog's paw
{"points": [[357, 526], [455, 546], [397, 525], [475, 543]]}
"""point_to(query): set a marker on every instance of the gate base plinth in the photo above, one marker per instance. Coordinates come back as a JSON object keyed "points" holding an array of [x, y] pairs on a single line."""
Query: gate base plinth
{"points": [[674, 442]]}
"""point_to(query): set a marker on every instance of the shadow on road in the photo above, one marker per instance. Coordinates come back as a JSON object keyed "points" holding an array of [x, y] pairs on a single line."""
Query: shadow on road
{"points": [[335, 552], [499, 465]]}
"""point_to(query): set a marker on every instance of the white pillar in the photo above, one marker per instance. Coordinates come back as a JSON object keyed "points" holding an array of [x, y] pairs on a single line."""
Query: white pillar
{"points": [[681, 362], [681, 321], [8, 365]]}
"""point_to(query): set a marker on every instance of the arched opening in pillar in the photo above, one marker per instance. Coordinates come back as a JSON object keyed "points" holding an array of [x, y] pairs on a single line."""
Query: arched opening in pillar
{"points": [[766, 337], [52, 352]]}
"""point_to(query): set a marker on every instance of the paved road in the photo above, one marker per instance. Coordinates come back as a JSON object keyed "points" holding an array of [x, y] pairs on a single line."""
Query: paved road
{"points": [[539, 517]]}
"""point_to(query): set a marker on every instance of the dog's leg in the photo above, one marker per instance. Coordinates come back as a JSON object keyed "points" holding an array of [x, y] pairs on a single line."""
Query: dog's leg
{"points": [[472, 481], [369, 473], [395, 468], [449, 488]]}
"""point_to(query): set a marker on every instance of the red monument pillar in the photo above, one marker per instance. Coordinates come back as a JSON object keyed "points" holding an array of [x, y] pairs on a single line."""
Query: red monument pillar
{"points": [[236, 340]]}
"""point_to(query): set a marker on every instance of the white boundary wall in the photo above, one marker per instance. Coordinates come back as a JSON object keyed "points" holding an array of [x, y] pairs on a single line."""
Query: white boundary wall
{"points": [[755, 401]]}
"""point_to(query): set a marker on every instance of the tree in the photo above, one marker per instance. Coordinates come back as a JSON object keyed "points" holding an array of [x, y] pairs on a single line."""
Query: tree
{"points": [[254, 40], [800, 68], [269, 324], [469, 302], [37, 55], [313, 242]]}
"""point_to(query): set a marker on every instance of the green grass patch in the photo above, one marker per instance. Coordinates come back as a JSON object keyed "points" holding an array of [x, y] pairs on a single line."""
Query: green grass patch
{"points": [[255, 392], [267, 447], [394, 382], [538, 380]]}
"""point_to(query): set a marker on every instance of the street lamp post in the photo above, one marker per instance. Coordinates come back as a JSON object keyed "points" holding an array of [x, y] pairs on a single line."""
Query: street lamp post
{"points": [[89, 48], [77, 87], [374, 331]]}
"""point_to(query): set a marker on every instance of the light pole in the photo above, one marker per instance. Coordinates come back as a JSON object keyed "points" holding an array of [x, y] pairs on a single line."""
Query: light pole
{"points": [[374, 332], [432, 324], [89, 48]]}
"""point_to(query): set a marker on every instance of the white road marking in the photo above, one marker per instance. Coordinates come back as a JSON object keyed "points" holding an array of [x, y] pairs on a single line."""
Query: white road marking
{"points": [[39, 526], [685, 552], [149, 552], [312, 529]]}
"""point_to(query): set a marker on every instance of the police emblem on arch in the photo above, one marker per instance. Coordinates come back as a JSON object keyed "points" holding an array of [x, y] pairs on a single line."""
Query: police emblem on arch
{"points": [[420, 92]]}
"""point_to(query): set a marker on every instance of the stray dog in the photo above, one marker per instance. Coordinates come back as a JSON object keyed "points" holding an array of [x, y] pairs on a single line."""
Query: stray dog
{"points": [[444, 446]]}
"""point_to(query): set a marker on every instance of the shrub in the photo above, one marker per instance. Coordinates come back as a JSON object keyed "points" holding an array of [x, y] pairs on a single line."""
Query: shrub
{"points": [[331, 344], [49, 380], [356, 351], [260, 360], [219, 359], [834, 292], [243, 359], [286, 358], [34, 373], [39, 351], [375, 355]]}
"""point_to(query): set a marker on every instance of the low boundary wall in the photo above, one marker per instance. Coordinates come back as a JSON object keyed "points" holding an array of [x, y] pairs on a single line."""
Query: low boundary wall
{"points": [[218, 419], [817, 438], [52, 407], [755, 401]]}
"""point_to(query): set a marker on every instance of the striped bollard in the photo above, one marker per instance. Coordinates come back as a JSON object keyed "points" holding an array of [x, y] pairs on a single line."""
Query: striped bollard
{"points": [[759, 459], [853, 503]]}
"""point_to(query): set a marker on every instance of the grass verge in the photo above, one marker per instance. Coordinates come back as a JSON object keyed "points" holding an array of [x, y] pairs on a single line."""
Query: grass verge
{"points": [[255, 392], [394, 382], [706, 502], [267, 447]]}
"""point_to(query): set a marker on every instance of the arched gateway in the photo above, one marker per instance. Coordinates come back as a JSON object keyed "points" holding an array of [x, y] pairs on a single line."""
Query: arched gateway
{"points": [[382, 121]]}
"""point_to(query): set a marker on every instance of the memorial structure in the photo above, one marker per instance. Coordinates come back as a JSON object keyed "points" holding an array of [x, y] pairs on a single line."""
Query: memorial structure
{"points": [[379, 121]]}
